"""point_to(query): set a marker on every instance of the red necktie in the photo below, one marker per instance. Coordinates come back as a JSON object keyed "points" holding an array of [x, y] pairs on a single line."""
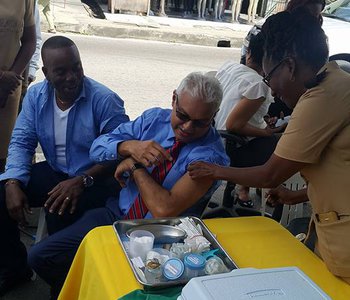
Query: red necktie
{"points": [[138, 210]]}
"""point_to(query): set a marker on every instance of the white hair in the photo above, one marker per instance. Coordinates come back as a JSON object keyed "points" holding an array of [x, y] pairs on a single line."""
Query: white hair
{"points": [[202, 86]]}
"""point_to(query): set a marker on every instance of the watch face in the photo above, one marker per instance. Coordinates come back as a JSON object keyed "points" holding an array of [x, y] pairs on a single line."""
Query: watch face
{"points": [[88, 180]]}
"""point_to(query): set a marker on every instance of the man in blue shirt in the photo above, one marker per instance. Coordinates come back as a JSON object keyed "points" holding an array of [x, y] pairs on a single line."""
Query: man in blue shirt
{"points": [[65, 114], [143, 146]]}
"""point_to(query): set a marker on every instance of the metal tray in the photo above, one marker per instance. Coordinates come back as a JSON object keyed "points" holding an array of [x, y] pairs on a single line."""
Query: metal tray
{"points": [[122, 227], [163, 234]]}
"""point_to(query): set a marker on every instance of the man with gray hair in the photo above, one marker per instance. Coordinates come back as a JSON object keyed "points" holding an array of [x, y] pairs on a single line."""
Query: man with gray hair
{"points": [[154, 150]]}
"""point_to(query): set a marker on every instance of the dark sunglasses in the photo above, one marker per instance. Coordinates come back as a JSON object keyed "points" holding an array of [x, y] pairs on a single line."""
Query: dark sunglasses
{"points": [[185, 118], [268, 76]]}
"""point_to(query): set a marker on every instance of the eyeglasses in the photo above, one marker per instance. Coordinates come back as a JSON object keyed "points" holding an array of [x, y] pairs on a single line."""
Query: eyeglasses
{"points": [[186, 118], [268, 76]]}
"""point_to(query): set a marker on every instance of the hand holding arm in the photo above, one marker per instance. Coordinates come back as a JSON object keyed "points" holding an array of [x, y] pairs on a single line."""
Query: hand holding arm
{"points": [[147, 153]]}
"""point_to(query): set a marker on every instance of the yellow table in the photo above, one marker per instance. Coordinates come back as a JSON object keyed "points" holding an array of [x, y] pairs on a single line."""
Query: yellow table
{"points": [[101, 271]]}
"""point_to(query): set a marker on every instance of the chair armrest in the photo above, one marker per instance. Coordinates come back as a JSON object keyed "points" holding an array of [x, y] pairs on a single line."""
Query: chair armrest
{"points": [[233, 138]]}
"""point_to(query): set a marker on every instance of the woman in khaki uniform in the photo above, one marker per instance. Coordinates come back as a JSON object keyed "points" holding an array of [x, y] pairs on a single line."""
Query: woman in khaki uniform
{"points": [[316, 141], [17, 36]]}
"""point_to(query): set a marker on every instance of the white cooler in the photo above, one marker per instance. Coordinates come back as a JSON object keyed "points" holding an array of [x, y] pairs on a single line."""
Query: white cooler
{"points": [[263, 284]]}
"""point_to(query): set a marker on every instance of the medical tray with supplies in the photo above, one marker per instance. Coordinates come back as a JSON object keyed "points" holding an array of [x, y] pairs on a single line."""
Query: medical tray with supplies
{"points": [[264, 284], [164, 235]]}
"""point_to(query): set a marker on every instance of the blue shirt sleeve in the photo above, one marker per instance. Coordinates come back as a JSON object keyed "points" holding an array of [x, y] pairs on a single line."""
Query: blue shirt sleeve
{"points": [[111, 113], [23, 142], [104, 148]]}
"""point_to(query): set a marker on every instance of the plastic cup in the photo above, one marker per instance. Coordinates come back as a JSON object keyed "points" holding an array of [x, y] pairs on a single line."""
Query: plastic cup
{"points": [[141, 242]]}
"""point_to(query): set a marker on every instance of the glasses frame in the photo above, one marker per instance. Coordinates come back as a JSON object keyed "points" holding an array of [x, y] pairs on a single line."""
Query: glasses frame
{"points": [[185, 118], [267, 78]]}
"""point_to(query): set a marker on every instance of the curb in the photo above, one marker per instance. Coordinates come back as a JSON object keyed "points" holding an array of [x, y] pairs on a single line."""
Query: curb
{"points": [[144, 33]]}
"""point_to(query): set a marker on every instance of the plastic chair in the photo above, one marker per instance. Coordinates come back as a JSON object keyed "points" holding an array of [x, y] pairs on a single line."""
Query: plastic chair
{"points": [[290, 212], [41, 231], [232, 142]]}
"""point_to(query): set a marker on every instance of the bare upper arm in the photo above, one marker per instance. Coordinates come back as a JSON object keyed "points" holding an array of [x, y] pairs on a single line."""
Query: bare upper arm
{"points": [[186, 192]]}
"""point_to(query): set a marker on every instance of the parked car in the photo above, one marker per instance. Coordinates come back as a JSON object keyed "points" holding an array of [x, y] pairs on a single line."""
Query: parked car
{"points": [[336, 24]]}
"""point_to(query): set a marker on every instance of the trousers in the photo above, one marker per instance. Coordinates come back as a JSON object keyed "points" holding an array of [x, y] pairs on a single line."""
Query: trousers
{"points": [[13, 254], [53, 256]]}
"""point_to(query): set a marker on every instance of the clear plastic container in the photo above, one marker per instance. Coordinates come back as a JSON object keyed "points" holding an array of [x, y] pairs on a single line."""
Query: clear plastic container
{"points": [[153, 273], [141, 242], [215, 265], [194, 265], [155, 261]]}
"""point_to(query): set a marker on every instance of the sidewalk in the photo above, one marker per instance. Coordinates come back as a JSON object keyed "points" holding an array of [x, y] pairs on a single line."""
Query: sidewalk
{"points": [[71, 16]]}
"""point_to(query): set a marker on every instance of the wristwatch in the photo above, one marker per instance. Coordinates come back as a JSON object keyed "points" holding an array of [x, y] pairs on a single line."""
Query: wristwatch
{"points": [[88, 180]]}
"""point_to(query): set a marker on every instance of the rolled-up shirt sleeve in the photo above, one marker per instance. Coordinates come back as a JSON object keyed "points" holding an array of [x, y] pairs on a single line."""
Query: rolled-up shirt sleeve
{"points": [[105, 147]]}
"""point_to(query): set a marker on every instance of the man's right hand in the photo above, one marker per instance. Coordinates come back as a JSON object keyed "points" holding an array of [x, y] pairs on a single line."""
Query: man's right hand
{"points": [[148, 153], [17, 203]]}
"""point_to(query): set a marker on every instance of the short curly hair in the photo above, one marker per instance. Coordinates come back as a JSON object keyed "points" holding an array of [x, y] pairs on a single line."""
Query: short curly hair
{"points": [[295, 34]]}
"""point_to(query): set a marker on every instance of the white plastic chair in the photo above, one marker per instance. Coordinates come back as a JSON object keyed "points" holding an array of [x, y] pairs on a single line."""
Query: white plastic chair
{"points": [[290, 212], [41, 231]]}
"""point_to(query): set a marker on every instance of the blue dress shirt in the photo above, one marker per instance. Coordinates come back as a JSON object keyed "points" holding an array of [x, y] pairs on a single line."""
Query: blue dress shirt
{"points": [[154, 124], [97, 110]]}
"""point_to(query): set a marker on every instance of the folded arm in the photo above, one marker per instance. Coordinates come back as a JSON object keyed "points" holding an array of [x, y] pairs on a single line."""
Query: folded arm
{"points": [[160, 201], [238, 119], [170, 203]]}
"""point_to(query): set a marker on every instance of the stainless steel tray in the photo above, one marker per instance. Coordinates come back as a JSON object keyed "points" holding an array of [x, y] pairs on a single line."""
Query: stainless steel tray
{"points": [[122, 227]]}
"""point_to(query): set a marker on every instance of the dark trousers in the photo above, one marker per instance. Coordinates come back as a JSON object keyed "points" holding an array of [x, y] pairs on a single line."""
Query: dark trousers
{"points": [[53, 256], [13, 255], [254, 153], [189, 5]]}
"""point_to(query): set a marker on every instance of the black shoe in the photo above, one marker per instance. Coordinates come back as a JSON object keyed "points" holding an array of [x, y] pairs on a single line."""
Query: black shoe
{"points": [[8, 283], [246, 204]]}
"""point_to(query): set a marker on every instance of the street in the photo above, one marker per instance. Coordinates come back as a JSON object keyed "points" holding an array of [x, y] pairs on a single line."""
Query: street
{"points": [[144, 73]]}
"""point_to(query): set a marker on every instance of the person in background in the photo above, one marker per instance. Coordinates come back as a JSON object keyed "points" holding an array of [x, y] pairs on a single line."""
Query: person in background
{"points": [[316, 140], [64, 113], [17, 35], [34, 62], [30, 72], [315, 7], [155, 150], [278, 109], [46, 4], [246, 100]]}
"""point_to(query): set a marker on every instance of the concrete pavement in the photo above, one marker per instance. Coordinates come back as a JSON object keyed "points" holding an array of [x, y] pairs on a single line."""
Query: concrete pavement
{"points": [[71, 16]]}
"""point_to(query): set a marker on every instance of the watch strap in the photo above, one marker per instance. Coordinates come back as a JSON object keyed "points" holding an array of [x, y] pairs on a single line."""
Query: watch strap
{"points": [[136, 166]]}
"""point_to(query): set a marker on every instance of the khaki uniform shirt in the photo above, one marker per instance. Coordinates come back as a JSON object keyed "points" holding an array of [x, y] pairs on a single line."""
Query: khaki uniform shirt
{"points": [[14, 16], [318, 134]]}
